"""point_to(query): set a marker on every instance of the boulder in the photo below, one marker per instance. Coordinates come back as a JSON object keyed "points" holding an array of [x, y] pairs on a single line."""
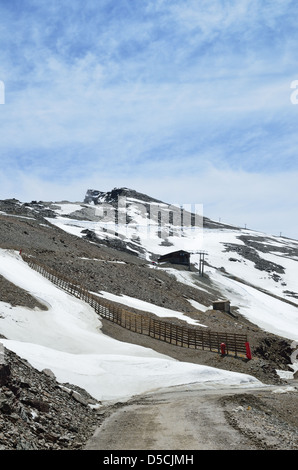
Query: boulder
{"points": [[49, 373]]}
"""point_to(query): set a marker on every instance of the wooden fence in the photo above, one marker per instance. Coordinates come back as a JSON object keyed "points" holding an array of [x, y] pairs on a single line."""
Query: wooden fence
{"points": [[190, 337]]}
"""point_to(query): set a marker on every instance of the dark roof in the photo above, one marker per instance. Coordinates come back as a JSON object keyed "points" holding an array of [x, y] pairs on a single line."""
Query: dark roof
{"points": [[175, 255]]}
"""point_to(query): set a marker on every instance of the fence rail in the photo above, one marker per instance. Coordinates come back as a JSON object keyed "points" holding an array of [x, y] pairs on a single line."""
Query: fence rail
{"points": [[193, 338]]}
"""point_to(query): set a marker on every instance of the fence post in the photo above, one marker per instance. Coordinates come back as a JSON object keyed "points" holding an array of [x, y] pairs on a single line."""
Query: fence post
{"points": [[235, 340]]}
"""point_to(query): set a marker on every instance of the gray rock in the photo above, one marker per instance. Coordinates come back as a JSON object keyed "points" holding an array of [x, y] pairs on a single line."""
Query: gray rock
{"points": [[49, 373], [79, 398]]}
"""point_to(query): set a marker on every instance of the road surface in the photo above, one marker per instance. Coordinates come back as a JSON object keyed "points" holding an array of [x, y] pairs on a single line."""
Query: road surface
{"points": [[179, 418]]}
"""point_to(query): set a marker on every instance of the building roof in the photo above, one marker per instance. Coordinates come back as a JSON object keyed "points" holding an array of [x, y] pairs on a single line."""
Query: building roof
{"points": [[175, 255]]}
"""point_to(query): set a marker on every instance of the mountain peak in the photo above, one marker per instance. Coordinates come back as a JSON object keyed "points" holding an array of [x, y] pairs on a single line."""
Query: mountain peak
{"points": [[96, 197]]}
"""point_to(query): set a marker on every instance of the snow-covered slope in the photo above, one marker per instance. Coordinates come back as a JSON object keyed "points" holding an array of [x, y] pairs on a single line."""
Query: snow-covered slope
{"points": [[67, 339], [255, 271]]}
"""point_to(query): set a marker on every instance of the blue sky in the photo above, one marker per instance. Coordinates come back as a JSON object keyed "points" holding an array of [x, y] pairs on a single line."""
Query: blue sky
{"points": [[188, 101]]}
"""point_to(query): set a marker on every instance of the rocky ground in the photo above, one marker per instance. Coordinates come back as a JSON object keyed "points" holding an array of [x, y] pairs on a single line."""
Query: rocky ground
{"points": [[36, 412], [268, 419]]}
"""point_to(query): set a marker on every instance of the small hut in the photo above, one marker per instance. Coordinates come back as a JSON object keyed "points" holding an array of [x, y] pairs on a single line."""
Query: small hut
{"points": [[223, 305], [176, 257]]}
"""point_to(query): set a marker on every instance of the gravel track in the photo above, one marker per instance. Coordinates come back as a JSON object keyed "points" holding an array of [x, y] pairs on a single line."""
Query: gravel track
{"points": [[196, 417]]}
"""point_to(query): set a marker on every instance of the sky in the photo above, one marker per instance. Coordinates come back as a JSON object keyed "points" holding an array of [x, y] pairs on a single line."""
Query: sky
{"points": [[187, 101]]}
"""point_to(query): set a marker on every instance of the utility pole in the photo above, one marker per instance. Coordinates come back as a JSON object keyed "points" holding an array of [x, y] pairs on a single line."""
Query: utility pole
{"points": [[201, 263]]}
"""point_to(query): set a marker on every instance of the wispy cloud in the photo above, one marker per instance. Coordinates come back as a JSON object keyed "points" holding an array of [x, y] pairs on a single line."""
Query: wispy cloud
{"points": [[165, 89]]}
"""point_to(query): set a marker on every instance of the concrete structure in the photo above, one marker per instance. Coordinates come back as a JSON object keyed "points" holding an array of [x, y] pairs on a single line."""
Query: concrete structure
{"points": [[223, 305]]}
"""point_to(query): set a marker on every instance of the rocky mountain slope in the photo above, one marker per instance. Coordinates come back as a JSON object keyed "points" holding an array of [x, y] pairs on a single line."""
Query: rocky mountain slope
{"points": [[81, 243], [113, 247]]}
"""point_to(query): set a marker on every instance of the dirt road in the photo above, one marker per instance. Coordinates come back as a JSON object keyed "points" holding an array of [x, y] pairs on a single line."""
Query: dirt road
{"points": [[187, 417]]}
